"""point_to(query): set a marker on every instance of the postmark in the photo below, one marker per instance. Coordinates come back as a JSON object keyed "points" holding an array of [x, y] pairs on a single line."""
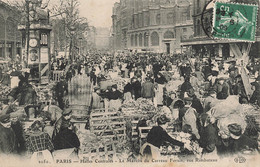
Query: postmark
{"points": [[234, 21]]}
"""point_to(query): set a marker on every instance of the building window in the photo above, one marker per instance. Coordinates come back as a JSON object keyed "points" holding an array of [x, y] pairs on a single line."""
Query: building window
{"points": [[132, 40], [2, 27], [136, 40], [168, 35], [44, 39], [140, 40], [140, 20], [155, 39], [158, 19], [188, 13], [184, 30], [170, 18], [198, 27], [146, 37], [146, 19]]}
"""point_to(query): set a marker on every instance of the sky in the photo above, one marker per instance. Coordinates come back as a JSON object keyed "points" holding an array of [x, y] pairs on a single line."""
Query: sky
{"points": [[98, 12]]}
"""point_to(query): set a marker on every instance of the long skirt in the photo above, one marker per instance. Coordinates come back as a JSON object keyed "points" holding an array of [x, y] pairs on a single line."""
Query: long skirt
{"points": [[155, 152]]}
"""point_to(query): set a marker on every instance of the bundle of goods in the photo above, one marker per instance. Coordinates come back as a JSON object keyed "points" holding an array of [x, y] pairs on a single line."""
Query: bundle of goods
{"points": [[129, 104], [186, 138], [169, 150], [44, 93], [231, 106], [4, 91], [90, 142], [173, 85], [141, 106], [123, 150], [252, 116], [145, 105], [163, 111], [231, 113], [120, 82], [167, 74]]}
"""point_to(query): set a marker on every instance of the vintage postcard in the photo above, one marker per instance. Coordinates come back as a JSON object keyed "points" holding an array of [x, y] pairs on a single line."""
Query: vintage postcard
{"points": [[158, 83]]}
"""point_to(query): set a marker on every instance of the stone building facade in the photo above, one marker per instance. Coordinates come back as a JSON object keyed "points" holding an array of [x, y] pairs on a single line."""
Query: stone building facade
{"points": [[10, 36], [152, 25]]}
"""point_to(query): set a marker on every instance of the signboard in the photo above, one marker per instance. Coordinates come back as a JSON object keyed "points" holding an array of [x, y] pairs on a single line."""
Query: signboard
{"points": [[33, 56], [44, 55]]}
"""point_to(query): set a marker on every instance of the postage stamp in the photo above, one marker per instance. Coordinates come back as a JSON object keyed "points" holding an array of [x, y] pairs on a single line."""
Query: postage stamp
{"points": [[234, 21]]}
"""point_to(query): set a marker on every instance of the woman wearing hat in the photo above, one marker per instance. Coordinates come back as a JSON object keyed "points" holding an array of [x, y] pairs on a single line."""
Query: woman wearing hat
{"points": [[62, 122], [241, 142], [115, 97], [39, 143], [156, 137]]}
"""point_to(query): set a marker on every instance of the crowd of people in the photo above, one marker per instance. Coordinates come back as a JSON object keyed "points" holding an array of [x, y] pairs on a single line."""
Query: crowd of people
{"points": [[203, 83]]}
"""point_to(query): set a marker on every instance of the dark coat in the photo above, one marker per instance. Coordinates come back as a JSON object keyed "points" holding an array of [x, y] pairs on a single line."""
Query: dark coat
{"points": [[256, 96], [136, 89], [197, 105], [157, 136], [18, 130], [148, 90], [8, 143], [208, 138], [66, 139], [185, 87], [244, 142]]}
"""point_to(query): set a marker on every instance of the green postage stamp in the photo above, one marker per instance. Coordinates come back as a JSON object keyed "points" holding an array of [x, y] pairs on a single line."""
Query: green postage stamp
{"points": [[235, 21]]}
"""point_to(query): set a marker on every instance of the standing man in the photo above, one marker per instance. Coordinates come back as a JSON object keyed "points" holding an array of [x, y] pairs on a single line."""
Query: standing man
{"points": [[60, 89], [148, 89]]}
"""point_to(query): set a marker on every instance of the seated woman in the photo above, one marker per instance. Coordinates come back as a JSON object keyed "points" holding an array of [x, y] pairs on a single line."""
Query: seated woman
{"points": [[156, 137], [39, 143], [67, 138]]}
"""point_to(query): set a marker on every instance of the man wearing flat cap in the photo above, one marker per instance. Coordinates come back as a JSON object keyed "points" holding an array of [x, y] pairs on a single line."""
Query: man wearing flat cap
{"points": [[8, 142], [63, 122], [190, 116]]}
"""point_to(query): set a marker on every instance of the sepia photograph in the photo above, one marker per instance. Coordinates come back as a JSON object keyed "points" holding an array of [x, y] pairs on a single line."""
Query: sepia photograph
{"points": [[158, 83]]}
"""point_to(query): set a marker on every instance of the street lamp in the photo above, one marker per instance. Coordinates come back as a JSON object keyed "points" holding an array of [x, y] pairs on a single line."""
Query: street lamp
{"points": [[72, 31]]}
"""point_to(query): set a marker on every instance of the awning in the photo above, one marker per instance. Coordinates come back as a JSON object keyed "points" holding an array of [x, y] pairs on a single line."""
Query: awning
{"points": [[208, 41]]}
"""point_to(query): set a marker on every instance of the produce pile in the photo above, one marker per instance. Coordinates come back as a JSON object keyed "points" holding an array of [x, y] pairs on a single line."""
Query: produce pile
{"points": [[186, 138], [173, 85], [90, 142], [252, 117], [45, 93], [120, 82], [167, 74], [141, 106], [4, 91]]}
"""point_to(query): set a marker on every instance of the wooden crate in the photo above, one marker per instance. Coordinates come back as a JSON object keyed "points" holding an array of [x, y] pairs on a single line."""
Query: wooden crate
{"points": [[143, 132], [108, 125], [102, 152]]}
